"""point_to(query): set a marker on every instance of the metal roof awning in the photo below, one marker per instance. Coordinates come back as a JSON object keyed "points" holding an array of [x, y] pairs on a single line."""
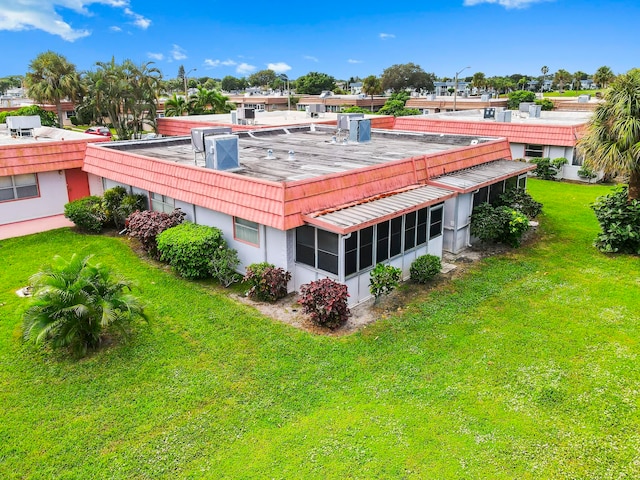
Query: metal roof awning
{"points": [[349, 218], [471, 179]]}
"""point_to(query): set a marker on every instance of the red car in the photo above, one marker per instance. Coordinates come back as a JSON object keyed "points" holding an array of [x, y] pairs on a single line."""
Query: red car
{"points": [[104, 131]]}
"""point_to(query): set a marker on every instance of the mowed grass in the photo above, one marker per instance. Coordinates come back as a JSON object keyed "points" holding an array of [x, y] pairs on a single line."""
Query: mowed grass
{"points": [[526, 367]]}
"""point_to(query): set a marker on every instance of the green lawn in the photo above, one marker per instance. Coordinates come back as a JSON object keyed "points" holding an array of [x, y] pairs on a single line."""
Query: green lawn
{"points": [[524, 368]]}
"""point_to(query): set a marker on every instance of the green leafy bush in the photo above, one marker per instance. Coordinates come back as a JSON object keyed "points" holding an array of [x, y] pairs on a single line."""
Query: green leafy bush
{"points": [[118, 204], [619, 221], [520, 200], [586, 172], [223, 265], [267, 283], [424, 268], [547, 169], [383, 279], [519, 96], [87, 213], [73, 303], [325, 301], [189, 248], [546, 104], [47, 119], [111, 200], [146, 225], [500, 224]]}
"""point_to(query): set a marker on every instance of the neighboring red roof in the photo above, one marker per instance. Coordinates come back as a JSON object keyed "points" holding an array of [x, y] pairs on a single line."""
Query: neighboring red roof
{"points": [[560, 135], [281, 205], [43, 156]]}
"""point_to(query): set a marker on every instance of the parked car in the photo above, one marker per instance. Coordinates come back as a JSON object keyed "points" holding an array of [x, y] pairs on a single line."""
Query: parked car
{"points": [[104, 131]]}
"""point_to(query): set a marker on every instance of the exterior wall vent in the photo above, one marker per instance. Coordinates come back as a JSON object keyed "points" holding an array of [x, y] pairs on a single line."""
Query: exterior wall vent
{"points": [[222, 152], [360, 130]]}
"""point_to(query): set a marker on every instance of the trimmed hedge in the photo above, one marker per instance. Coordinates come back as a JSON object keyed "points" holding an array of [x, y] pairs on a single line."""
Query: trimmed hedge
{"points": [[424, 268], [189, 248], [87, 213]]}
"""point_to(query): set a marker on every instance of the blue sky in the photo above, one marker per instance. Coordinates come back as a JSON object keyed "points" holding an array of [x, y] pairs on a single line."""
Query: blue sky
{"points": [[497, 37]]}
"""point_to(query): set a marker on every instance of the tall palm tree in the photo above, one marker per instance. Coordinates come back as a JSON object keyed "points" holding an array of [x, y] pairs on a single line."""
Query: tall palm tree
{"points": [[544, 70], [175, 106], [603, 76], [74, 302], [372, 85], [52, 78], [612, 139]]}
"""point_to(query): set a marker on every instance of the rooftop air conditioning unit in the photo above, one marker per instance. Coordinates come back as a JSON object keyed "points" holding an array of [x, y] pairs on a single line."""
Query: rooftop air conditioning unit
{"points": [[317, 108], [534, 111], [222, 152], [524, 107], [503, 116], [489, 113], [584, 98], [198, 135], [246, 113], [485, 97], [360, 130], [431, 97], [344, 119], [23, 125]]}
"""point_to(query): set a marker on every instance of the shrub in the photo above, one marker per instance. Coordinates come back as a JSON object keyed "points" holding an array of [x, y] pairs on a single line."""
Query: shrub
{"points": [[326, 301], [130, 203], [520, 200], [519, 96], [146, 225], [383, 279], [424, 268], [223, 265], [620, 222], [267, 282], [547, 169], [498, 224], [87, 213], [74, 121], [73, 303], [546, 104], [111, 200], [189, 247], [586, 172]]}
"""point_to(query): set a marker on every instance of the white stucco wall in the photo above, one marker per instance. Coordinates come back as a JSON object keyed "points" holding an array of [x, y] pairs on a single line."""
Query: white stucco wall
{"points": [[52, 187]]}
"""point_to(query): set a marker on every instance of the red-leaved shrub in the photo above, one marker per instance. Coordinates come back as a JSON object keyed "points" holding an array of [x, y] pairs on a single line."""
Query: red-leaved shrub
{"points": [[326, 301], [147, 225]]}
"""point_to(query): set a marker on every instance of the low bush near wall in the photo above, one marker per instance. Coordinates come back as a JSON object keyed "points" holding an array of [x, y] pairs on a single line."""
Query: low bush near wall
{"points": [[620, 223], [146, 225], [498, 224], [87, 213], [424, 268], [326, 302], [189, 247], [267, 282], [223, 265], [547, 169], [383, 279], [520, 200], [118, 204]]}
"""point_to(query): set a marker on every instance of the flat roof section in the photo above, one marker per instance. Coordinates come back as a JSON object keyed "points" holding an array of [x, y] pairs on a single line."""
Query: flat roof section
{"points": [[315, 153], [43, 135], [370, 211], [471, 179], [546, 117]]}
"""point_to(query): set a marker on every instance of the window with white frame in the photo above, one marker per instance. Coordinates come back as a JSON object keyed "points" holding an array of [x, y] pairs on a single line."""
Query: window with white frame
{"points": [[162, 203], [534, 151], [16, 187], [246, 231]]}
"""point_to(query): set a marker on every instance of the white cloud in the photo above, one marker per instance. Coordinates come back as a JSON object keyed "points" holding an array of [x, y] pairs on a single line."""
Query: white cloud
{"points": [[351, 60], [504, 3], [115, 28], [279, 67], [216, 63], [387, 35], [309, 57], [178, 53], [245, 68], [44, 15], [138, 20], [155, 56]]}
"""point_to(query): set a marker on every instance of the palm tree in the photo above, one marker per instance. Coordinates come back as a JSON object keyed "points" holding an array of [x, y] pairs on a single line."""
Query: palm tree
{"points": [[562, 77], [372, 85], [603, 76], [175, 106], [74, 302], [52, 78], [612, 139], [544, 70]]}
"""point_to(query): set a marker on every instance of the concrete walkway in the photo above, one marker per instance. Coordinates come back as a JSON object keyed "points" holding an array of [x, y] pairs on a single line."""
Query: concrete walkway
{"points": [[28, 227]]}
